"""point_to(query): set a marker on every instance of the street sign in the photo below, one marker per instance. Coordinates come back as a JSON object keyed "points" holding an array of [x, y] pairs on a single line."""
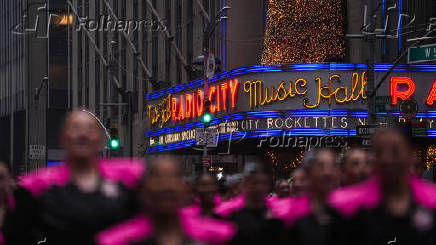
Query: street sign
{"points": [[206, 137], [422, 53], [210, 65], [37, 152], [366, 141], [200, 137], [366, 130], [383, 100], [211, 137]]}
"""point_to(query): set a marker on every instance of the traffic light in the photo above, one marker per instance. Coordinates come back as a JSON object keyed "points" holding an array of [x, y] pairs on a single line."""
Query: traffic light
{"points": [[114, 143], [207, 116]]}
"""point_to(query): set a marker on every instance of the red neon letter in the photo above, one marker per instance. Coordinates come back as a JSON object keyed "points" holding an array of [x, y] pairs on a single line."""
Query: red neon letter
{"points": [[181, 109], [212, 91], [233, 91], [224, 87], [432, 95], [193, 104], [188, 105], [218, 100], [173, 109], [401, 94], [200, 102]]}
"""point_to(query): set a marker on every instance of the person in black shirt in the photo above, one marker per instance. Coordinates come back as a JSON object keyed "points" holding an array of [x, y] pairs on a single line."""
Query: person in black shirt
{"points": [[394, 206], [307, 218], [206, 190], [70, 203], [250, 210], [162, 220]]}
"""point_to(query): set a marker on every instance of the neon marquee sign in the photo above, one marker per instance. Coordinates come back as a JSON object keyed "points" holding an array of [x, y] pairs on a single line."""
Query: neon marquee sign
{"points": [[279, 91], [408, 89], [261, 94], [191, 105]]}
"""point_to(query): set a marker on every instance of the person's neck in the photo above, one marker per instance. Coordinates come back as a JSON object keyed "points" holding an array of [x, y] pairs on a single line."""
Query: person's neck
{"points": [[82, 166], [252, 204], [317, 199], [166, 223], [207, 208], [396, 187]]}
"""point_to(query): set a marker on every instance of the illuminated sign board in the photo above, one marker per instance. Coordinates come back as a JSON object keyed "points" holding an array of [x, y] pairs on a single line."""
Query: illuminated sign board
{"points": [[260, 95]]}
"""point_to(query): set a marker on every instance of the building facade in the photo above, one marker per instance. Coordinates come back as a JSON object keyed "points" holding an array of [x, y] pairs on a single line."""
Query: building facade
{"points": [[110, 56]]}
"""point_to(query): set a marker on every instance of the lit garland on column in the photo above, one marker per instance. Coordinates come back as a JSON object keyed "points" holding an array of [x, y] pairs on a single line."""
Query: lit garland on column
{"points": [[431, 156], [303, 31]]}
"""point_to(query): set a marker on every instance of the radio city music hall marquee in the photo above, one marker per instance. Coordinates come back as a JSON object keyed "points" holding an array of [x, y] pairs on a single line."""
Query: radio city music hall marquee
{"points": [[264, 101]]}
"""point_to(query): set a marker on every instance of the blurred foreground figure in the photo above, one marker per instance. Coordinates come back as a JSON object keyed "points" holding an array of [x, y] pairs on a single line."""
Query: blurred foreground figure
{"points": [[163, 221], [206, 189], [6, 187], [299, 182], [394, 207], [70, 203], [307, 218], [249, 211], [355, 167], [282, 188]]}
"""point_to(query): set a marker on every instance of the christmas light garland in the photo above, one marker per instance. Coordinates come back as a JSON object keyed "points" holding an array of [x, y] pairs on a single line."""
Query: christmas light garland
{"points": [[304, 31]]}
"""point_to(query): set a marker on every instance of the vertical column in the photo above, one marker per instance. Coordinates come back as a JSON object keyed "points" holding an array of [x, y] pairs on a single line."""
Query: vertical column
{"points": [[37, 67], [91, 66]]}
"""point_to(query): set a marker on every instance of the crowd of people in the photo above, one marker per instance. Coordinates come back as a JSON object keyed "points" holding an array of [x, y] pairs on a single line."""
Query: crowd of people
{"points": [[365, 197]]}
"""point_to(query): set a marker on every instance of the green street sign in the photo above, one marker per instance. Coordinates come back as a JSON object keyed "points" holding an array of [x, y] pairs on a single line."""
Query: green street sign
{"points": [[383, 100], [422, 53]]}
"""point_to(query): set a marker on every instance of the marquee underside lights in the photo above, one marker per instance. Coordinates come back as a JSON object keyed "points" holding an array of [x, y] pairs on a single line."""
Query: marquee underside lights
{"points": [[320, 114], [263, 133]]}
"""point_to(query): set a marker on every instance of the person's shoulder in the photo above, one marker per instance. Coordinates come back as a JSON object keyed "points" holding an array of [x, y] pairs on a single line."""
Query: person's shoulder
{"points": [[39, 180], [290, 209], [134, 230], [209, 230], [124, 170], [348, 201], [225, 209], [193, 210], [424, 192]]}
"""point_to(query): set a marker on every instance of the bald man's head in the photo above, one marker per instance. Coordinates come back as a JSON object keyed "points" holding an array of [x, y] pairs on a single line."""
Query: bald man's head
{"points": [[81, 136]]}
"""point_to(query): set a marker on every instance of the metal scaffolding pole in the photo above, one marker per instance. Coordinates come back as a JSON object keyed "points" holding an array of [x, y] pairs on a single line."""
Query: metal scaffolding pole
{"points": [[131, 45]]}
